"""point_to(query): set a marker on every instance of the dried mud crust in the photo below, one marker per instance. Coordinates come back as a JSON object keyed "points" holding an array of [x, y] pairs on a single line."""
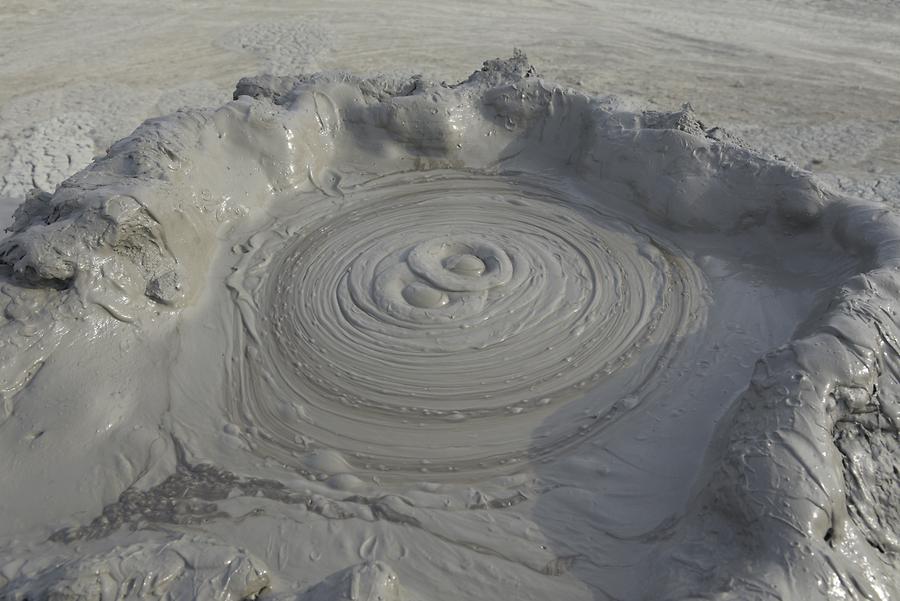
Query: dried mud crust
{"points": [[797, 490], [871, 470], [162, 567]]}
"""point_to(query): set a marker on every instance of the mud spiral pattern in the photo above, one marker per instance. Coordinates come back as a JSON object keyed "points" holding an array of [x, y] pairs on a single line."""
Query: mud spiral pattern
{"points": [[450, 324]]}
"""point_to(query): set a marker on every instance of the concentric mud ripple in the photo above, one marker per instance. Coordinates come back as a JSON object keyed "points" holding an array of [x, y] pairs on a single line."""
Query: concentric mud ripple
{"points": [[433, 323]]}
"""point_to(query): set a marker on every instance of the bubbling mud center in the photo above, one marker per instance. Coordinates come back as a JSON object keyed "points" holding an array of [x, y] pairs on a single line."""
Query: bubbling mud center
{"points": [[435, 322]]}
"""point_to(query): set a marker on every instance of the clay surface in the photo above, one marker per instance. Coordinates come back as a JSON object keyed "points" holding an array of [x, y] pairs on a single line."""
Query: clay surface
{"points": [[355, 337]]}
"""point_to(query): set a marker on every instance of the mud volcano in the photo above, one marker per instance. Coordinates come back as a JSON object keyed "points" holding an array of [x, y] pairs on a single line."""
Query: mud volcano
{"points": [[387, 338]]}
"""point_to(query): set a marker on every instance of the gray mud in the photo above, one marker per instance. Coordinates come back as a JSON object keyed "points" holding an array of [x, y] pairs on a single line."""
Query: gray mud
{"points": [[349, 336]]}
